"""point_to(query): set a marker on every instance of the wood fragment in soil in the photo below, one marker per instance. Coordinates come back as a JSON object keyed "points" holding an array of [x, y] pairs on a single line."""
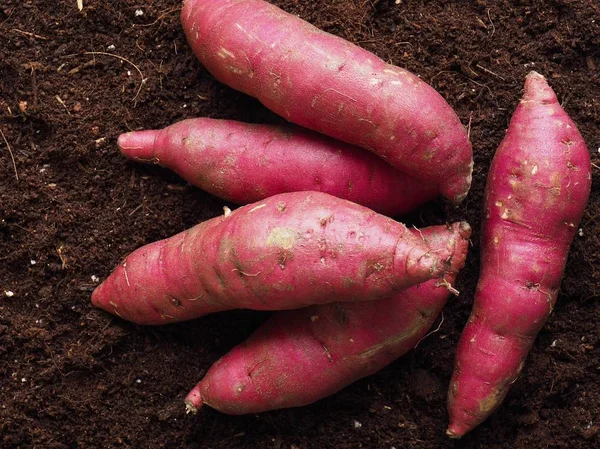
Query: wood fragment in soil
{"points": [[27, 33]]}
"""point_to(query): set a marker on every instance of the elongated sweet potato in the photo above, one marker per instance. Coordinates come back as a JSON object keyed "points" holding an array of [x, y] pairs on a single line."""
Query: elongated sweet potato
{"points": [[327, 84], [300, 356], [288, 251], [245, 163], [536, 192]]}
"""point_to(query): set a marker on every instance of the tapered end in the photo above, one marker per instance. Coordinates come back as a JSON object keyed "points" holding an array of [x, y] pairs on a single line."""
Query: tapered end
{"points": [[537, 90], [457, 187], [97, 297], [464, 230], [139, 145], [452, 434], [193, 401]]}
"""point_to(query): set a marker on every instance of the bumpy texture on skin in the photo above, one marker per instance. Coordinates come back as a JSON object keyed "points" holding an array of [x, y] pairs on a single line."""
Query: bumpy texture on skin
{"points": [[327, 84], [245, 163], [288, 251], [300, 356], [536, 192]]}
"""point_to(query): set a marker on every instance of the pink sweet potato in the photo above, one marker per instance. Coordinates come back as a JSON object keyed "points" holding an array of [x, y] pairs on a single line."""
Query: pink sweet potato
{"points": [[300, 356], [245, 163], [288, 251], [329, 85], [536, 192]]}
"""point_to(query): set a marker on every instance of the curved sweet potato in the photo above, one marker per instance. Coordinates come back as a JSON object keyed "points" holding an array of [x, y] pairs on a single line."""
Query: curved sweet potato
{"points": [[245, 163], [300, 356], [288, 251], [329, 85], [536, 192]]}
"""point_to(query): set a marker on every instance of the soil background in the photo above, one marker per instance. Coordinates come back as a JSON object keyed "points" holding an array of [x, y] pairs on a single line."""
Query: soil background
{"points": [[75, 377]]}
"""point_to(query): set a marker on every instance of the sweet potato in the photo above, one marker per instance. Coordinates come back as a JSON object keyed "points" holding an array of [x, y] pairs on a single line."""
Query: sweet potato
{"points": [[288, 251], [300, 356], [245, 163], [329, 85], [536, 192]]}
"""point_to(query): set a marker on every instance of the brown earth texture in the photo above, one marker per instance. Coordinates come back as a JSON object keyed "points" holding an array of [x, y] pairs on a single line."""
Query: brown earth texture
{"points": [[71, 207]]}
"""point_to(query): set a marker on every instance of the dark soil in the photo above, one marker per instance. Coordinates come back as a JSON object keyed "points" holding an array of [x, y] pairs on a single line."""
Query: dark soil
{"points": [[75, 377]]}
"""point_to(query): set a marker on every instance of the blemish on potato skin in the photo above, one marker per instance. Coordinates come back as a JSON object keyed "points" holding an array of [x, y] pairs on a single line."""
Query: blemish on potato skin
{"points": [[260, 206], [430, 134], [176, 302], [283, 238]]}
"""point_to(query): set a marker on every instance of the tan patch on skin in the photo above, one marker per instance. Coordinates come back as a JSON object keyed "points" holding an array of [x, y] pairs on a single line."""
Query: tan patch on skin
{"points": [[283, 238], [378, 266], [454, 388], [491, 402], [430, 134], [348, 282], [412, 330], [429, 154], [281, 287]]}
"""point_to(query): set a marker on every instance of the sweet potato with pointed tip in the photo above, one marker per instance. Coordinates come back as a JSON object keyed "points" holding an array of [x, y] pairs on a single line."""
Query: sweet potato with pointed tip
{"points": [[327, 84], [245, 163], [288, 251], [536, 192], [300, 356]]}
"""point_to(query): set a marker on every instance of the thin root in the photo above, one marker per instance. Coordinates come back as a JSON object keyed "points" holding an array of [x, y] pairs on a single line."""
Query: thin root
{"points": [[437, 329], [143, 80], [190, 409], [447, 285], [12, 157], [419, 231], [469, 127]]}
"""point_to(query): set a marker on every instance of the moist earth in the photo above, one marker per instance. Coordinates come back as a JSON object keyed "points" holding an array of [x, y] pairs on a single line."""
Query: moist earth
{"points": [[71, 207]]}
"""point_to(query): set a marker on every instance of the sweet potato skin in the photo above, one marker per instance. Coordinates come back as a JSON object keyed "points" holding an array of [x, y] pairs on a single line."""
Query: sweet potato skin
{"points": [[536, 192], [300, 356], [288, 251], [244, 163], [327, 84]]}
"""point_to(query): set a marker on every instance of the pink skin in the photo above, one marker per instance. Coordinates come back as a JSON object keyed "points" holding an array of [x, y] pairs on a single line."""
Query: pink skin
{"points": [[300, 356], [536, 192], [245, 163], [288, 251], [329, 85]]}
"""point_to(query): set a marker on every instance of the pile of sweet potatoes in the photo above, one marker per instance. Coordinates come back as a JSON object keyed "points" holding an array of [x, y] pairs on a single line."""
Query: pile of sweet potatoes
{"points": [[354, 289]]}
